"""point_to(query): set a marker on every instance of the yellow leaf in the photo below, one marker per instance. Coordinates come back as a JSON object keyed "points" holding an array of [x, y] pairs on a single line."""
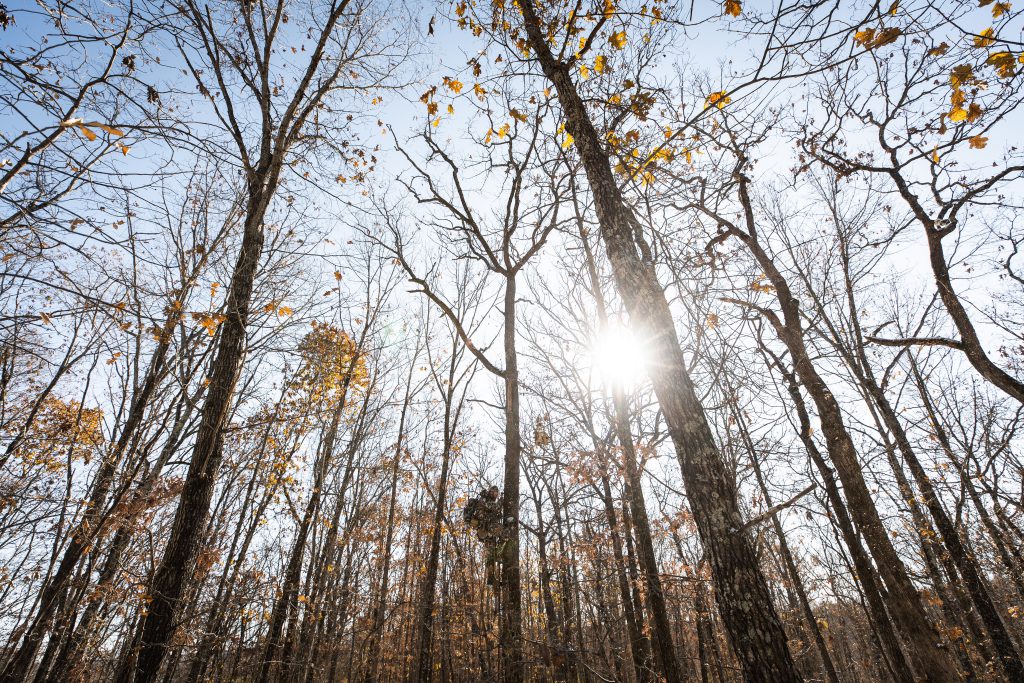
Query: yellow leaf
{"points": [[453, 84], [1004, 63], [584, 71], [871, 39], [599, 64], [503, 131], [1000, 8], [978, 142], [864, 37], [284, 310], [961, 75], [210, 322], [451, 109], [939, 50], [337, 275], [958, 114], [893, 8], [935, 155], [733, 8], [985, 38], [124, 149], [618, 40], [886, 36], [567, 142], [760, 286]]}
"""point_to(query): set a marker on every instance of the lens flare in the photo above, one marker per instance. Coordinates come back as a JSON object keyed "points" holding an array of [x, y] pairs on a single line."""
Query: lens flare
{"points": [[617, 358]]}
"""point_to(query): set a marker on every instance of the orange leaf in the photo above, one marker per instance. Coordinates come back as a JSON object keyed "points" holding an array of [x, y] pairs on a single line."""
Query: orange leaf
{"points": [[718, 99], [89, 135], [104, 127]]}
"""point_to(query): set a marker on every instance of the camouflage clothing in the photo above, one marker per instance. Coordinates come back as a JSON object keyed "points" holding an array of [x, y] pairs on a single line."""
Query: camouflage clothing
{"points": [[483, 514]]}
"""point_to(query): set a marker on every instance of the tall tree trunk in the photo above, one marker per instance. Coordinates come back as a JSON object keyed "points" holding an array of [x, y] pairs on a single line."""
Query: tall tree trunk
{"points": [[905, 605], [640, 644], [744, 599], [787, 556], [174, 573], [865, 571], [963, 563], [976, 585], [511, 620], [93, 519]]}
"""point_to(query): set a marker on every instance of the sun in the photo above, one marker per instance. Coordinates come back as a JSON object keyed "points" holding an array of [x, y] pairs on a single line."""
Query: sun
{"points": [[618, 358]]}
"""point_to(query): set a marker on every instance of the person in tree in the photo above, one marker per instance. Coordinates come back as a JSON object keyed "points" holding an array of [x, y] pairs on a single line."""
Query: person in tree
{"points": [[483, 514]]}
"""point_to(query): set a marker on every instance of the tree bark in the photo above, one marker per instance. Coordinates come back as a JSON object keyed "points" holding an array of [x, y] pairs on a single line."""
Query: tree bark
{"points": [[511, 620], [175, 570], [904, 603], [744, 599]]}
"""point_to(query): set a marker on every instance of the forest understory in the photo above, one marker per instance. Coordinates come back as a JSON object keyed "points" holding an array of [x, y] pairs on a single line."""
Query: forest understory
{"points": [[582, 341]]}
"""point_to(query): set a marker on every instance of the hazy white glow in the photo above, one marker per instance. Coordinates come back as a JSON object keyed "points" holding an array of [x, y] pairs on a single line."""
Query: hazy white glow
{"points": [[618, 358]]}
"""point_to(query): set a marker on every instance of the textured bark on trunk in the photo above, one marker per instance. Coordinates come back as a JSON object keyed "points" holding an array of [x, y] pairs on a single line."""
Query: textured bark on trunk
{"points": [[640, 644], [865, 571], [511, 620], [963, 562], [175, 570], [930, 659], [904, 601], [744, 599], [977, 586], [787, 556]]}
